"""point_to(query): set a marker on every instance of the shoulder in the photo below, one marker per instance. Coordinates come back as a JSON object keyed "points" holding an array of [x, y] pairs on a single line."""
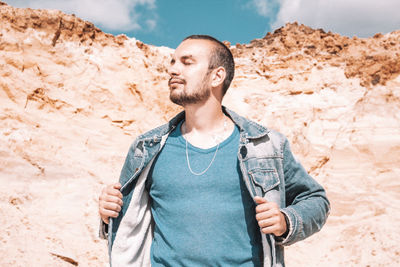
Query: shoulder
{"points": [[156, 134], [277, 138]]}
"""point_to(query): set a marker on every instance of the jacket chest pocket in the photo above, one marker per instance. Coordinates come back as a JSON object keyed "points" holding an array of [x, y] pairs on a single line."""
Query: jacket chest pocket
{"points": [[265, 179]]}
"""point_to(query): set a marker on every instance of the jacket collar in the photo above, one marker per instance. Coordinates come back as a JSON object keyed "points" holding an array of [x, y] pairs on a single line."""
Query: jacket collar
{"points": [[250, 129]]}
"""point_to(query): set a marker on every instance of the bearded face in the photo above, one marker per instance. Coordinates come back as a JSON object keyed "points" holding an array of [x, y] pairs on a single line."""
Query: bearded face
{"points": [[181, 95], [190, 76]]}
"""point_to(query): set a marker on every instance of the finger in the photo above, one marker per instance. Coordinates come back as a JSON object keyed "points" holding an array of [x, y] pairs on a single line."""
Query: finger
{"points": [[260, 200], [273, 229], [266, 215], [105, 220], [106, 197], [266, 206], [268, 222], [273, 225], [108, 213], [117, 186], [111, 206], [113, 199], [269, 230], [113, 192]]}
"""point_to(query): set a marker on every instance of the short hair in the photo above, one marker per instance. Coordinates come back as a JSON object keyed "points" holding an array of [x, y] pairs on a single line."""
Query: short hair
{"points": [[220, 56]]}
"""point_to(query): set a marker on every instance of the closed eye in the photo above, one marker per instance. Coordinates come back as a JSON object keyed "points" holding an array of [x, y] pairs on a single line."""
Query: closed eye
{"points": [[187, 60]]}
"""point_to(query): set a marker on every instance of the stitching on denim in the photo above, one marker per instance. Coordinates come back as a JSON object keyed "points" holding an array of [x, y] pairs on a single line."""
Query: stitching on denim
{"points": [[269, 157], [265, 188], [139, 169], [299, 224], [282, 145], [291, 226]]}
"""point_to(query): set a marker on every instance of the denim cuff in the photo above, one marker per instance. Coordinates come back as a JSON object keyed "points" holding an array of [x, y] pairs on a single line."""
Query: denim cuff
{"points": [[286, 233], [290, 216]]}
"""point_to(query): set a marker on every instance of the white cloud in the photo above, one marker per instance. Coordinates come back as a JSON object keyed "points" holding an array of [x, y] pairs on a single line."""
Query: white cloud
{"points": [[108, 14], [362, 18], [151, 24], [264, 8]]}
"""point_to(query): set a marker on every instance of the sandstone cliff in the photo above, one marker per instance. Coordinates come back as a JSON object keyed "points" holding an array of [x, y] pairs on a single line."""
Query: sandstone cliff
{"points": [[72, 99]]}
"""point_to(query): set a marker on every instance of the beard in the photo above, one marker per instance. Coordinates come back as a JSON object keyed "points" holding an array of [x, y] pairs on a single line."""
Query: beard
{"points": [[184, 98]]}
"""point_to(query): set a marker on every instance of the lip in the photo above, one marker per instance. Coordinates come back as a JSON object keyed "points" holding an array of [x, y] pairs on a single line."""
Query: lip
{"points": [[175, 81]]}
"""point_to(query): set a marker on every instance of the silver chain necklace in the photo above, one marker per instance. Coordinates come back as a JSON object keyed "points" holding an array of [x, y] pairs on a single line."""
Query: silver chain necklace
{"points": [[209, 165]]}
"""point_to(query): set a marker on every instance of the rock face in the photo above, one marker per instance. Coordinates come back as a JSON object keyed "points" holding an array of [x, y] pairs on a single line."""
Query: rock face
{"points": [[73, 98]]}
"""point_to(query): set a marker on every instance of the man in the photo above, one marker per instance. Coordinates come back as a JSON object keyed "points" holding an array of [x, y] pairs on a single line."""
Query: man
{"points": [[209, 188]]}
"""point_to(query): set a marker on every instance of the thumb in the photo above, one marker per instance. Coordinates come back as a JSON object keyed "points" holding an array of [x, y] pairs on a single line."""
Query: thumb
{"points": [[117, 185], [260, 200]]}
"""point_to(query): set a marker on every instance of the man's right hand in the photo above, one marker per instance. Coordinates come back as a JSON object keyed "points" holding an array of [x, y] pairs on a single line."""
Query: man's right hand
{"points": [[110, 202]]}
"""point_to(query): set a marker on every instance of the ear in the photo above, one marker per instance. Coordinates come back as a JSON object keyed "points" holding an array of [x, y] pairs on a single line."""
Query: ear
{"points": [[218, 77]]}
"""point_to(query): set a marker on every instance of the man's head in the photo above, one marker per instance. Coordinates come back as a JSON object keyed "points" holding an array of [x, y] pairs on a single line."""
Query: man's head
{"points": [[200, 64], [220, 56]]}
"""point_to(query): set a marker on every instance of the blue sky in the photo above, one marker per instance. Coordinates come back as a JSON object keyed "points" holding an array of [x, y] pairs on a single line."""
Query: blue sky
{"points": [[167, 22]]}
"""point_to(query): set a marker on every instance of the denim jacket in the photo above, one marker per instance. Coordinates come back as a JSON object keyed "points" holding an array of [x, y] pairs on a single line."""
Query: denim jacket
{"points": [[268, 168]]}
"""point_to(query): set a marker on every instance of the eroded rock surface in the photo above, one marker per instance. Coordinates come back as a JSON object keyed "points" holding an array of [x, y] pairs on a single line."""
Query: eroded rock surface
{"points": [[73, 98]]}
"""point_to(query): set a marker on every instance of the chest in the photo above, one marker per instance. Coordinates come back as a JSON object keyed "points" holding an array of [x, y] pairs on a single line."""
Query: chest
{"points": [[175, 168]]}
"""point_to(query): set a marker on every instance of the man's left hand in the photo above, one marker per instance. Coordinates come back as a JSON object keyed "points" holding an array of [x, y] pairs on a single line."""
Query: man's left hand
{"points": [[270, 219]]}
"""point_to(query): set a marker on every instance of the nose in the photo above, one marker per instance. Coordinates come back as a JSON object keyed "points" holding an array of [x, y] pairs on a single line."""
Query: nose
{"points": [[173, 70]]}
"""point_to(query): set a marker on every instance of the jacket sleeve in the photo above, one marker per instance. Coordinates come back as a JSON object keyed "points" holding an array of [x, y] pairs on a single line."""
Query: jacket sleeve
{"points": [[307, 206], [126, 172]]}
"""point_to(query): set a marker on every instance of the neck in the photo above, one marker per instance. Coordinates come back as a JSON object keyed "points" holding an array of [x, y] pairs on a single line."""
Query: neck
{"points": [[205, 124], [203, 117]]}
